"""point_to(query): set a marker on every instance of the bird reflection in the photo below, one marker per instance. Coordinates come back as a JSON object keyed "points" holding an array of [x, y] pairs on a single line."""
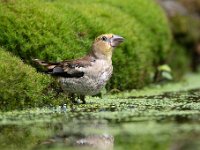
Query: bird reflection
{"points": [[79, 136]]}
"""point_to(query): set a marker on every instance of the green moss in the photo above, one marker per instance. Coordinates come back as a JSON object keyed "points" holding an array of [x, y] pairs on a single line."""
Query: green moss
{"points": [[34, 31], [154, 27], [21, 86], [66, 29]]}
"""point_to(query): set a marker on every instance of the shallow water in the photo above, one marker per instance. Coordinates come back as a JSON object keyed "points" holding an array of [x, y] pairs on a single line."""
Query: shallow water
{"points": [[169, 120]]}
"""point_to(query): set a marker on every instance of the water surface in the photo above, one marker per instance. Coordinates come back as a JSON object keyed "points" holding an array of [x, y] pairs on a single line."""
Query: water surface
{"points": [[166, 120]]}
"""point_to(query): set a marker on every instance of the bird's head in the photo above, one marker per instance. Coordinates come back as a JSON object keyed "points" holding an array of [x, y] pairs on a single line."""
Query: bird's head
{"points": [[104, 45]]}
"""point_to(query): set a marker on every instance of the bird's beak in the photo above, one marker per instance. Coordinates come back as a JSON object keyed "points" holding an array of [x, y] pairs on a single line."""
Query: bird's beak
{"points": [[116, 40]]}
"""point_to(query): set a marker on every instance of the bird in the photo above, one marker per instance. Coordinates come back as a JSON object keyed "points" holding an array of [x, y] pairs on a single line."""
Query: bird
{"points": [[89, 74]]}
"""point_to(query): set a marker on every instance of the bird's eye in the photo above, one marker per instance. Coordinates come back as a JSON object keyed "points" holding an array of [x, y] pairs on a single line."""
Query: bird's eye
{"points": [[104, 38]]}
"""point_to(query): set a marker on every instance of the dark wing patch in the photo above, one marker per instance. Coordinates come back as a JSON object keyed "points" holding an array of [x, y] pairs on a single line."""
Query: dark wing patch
{"points": [[59, 71]]}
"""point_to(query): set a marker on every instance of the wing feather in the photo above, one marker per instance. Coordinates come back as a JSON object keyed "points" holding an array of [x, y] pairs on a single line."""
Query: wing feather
{"points": [[66, 68]]}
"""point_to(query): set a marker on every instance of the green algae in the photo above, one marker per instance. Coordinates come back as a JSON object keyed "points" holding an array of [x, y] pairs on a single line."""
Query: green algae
{"points": [[158, 117]]}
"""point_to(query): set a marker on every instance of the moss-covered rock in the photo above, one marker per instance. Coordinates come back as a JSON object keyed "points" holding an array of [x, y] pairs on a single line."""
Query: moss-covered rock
{"points": [[66, 29], [21, 86], [57, 30]]}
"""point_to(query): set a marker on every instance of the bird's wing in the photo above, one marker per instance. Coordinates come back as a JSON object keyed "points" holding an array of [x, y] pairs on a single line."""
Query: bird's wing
{"points": [[68, 68]]}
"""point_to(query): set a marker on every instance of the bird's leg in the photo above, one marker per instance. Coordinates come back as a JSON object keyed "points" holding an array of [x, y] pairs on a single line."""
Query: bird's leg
{"points": [[82, 98], [72, 97]]}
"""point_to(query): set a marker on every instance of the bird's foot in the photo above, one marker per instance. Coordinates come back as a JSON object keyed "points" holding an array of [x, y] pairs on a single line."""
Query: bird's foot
{"points": [[77, 99]]}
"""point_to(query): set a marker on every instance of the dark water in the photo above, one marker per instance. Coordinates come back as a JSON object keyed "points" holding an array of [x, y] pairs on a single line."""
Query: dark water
{"points": [[166, 121]]}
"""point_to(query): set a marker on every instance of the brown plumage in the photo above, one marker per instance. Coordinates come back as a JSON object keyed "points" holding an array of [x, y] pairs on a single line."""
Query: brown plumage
{"points": [[87, 75]]}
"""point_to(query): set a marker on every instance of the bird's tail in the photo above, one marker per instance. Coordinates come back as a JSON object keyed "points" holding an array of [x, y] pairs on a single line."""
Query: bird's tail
{"points": [[47, 65]]}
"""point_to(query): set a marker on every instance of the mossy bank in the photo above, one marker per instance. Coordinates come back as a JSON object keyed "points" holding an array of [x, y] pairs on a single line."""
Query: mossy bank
{"points": [[21, 86], [57, 30]]}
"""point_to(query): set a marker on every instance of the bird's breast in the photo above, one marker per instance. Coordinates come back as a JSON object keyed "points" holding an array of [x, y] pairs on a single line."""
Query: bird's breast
{"points": [[99, 69]]}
